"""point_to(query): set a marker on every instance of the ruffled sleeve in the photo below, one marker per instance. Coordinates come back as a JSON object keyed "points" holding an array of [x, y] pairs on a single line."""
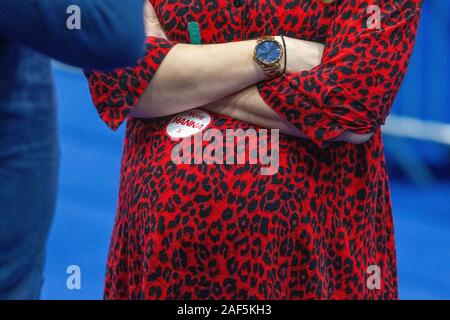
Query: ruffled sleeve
{"points": [[361, 72], [115, 93]]}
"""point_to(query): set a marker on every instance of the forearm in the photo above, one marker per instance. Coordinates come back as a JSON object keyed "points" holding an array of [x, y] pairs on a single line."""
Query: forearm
{"points": [[192, 75], [249, 106]]}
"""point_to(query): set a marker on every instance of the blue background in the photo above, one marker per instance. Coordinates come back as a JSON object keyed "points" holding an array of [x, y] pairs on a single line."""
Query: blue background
{"points": [[419, 176]]}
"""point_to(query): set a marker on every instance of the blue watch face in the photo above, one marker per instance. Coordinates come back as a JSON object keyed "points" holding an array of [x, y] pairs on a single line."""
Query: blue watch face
{"points": [[268, 52]]}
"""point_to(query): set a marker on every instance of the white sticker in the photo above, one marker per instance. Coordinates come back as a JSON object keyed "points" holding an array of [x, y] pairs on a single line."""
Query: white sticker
{"points": [[187, 124]]}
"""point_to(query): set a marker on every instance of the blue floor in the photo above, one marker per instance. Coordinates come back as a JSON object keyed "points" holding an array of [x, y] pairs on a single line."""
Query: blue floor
{"points": [[88, 191]]}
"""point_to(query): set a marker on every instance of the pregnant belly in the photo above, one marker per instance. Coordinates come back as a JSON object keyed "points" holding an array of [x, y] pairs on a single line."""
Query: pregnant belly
{"points": [[195, 206], [210, 173], [197, 137]]}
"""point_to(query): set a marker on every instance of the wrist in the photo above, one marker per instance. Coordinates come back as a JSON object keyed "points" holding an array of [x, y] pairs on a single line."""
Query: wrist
{"points": [[313, 54], [285, 52], [303, 55], [283, 60]]}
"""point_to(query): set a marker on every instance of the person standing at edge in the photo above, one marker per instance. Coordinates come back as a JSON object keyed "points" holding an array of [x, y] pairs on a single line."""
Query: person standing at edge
{"points": [[111, 36]]}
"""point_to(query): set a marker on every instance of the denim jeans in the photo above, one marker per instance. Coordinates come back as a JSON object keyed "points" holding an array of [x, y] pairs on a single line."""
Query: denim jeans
{"points": [[29, 159]]}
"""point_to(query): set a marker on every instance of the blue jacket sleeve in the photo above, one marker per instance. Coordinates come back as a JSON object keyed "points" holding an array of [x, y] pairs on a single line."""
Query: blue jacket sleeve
{"points": [[111, 33]]}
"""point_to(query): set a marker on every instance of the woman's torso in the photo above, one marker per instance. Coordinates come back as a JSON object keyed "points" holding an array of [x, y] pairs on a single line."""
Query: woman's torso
{"points": [[319, 205]]}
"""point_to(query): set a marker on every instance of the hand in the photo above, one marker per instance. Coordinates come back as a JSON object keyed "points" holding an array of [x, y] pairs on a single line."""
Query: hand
{"points": [[152, 26], [302, 55]]}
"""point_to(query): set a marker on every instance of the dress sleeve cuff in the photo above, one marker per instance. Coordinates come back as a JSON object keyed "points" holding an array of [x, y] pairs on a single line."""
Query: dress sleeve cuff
{"points": [[300, 109], [116, 93]]}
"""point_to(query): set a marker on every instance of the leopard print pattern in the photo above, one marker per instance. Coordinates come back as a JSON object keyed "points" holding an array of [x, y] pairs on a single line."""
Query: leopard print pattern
{"points": [[311, 231]]}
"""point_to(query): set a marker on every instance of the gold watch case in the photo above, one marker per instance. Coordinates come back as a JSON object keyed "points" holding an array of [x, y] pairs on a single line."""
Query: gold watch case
{"points": [[272, 70]]}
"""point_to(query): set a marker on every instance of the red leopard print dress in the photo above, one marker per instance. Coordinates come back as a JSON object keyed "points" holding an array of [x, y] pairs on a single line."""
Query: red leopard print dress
{"points": [[320, 228]]}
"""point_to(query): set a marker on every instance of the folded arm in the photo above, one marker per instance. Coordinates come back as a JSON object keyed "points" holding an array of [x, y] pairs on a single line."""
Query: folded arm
{"points": [[175, 77], [248, 105], [351, 93], [346, 98]]}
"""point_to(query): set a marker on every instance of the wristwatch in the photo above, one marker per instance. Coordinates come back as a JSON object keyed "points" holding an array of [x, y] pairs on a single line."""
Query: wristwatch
{"points": [[268, 54]]}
